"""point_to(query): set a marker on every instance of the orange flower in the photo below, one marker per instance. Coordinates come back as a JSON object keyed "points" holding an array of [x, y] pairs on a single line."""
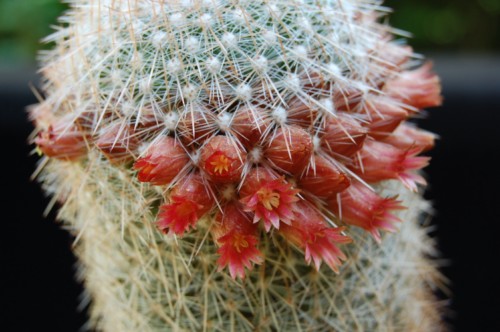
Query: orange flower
{"points": [[271, 200], [190, 199], [163, 161], [237, 237], [360, 206], [319, 241], [380, 161]]}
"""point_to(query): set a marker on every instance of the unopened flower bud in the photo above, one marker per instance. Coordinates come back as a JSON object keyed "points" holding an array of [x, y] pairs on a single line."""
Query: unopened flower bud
{"points": [[250, 124], [419, 88], [323, 179], [290, 149], [63, 140], [343, 135], [118, 143], [407, 136], [162, 162]]}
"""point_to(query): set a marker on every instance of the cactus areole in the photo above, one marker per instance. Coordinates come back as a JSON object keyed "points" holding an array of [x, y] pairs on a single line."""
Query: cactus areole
{"points": [[211, 155]]}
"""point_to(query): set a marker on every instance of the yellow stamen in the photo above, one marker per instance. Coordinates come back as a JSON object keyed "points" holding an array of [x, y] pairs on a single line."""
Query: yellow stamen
{"points": [[270, 199], [240, 242], [38, 151], [221, 164]]}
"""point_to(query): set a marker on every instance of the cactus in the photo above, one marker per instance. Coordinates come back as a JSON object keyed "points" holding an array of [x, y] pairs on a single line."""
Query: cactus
{"points": [[210, 156]]}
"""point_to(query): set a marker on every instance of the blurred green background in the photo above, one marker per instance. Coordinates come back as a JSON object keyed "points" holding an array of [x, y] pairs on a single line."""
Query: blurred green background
{"points": [[22, 24], [449, 25], [438, 25]]}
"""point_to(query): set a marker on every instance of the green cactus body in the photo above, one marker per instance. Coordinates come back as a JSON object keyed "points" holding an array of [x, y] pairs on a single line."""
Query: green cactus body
{"points": [[205, 153]]}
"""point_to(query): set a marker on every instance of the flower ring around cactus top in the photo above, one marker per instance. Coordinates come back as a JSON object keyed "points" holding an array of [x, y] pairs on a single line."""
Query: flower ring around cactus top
{"points": [[258, 119]]}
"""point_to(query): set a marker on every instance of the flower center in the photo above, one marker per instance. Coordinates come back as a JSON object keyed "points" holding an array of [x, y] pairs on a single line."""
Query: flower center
{"points": [[239, 242], [269, 198], [221, 164]]}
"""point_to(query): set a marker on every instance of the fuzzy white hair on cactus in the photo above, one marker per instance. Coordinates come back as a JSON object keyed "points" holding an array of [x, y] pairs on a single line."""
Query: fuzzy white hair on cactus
{"points": [[211, 155]]}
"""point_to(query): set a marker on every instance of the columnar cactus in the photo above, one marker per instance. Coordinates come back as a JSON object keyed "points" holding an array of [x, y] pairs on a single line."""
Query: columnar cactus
{"points": [[210, 155]]}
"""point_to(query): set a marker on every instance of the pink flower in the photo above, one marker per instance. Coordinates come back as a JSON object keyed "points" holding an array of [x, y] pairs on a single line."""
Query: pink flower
{"points": [[360, 206], [407, 136], [163, 161], [419, 88], [319, 241], [190, 199], [271, 200], [237, 237], [380, 161]]}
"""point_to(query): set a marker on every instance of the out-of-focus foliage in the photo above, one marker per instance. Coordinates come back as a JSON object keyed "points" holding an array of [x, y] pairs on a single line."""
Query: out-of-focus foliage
{"points": [[435, 24], [449, 24], [22, 24]]}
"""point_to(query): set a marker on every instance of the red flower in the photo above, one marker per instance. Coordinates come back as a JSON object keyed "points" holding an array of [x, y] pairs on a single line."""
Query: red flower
{"points": [[221, 160], [381, 161], [63, 140], [290, 149], [319, 241], [190, 199], [237, 237], [360, 206], [324, 178], [419, 88], [271, 200], [163, 161]]}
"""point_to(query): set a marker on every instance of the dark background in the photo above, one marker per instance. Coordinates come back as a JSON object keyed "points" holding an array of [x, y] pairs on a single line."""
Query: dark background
{"points": [[38, 290]]}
